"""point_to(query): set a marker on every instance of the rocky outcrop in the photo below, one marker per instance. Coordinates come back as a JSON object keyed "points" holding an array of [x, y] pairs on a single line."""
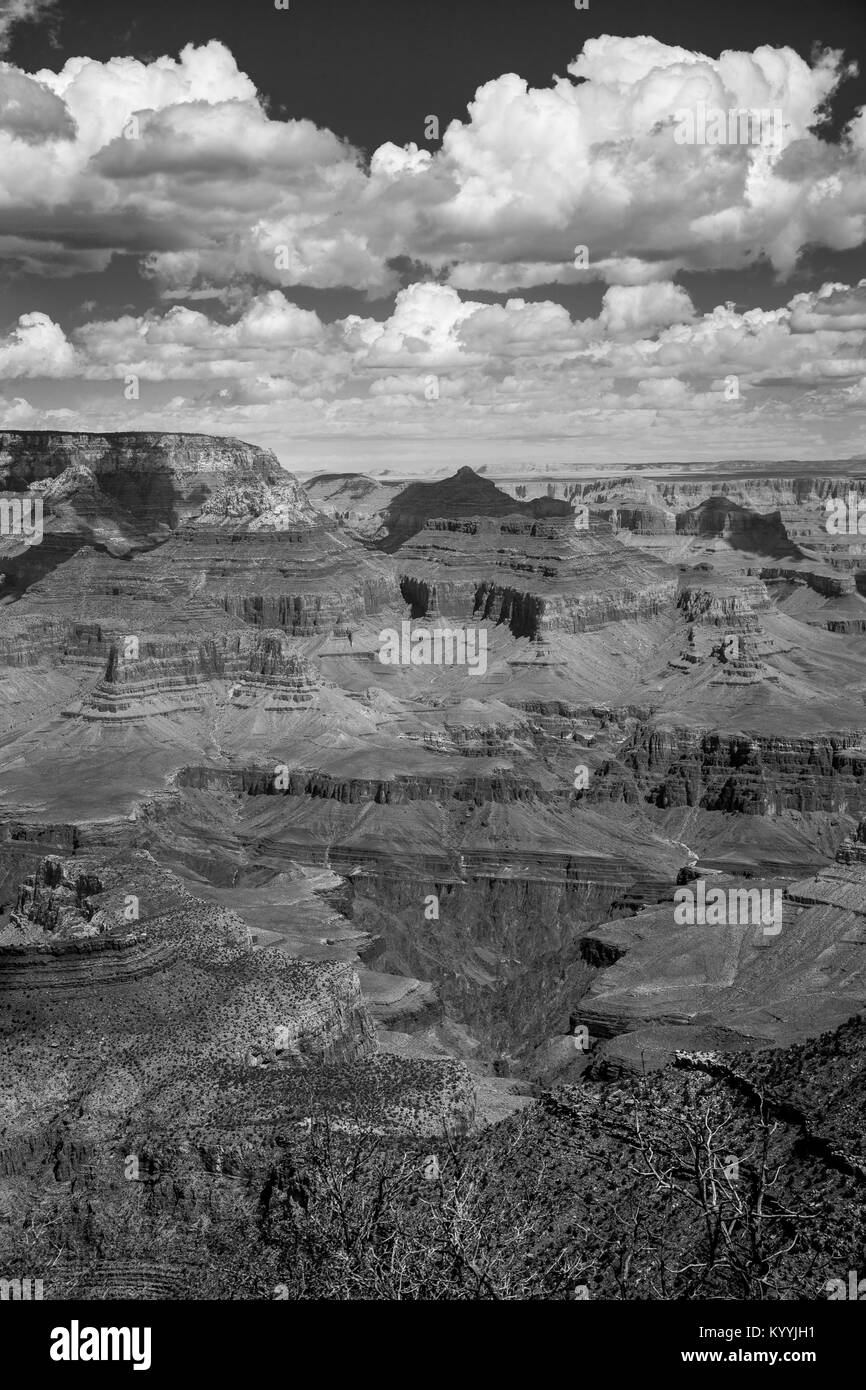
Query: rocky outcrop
{"points": [[122, 493], [740, 526], [57, 899], [217, 526], [475, 740], [146, 481], [160, 680], [284, 678], [828, 584], [181, 988], [79, 966], [853, 848], [532, 574], [152, 675], [726, 634], [782, 517], [395, 791], [743, 773]]}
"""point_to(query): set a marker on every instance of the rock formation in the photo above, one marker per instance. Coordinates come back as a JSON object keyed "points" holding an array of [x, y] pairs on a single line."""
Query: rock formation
{"points": [[250, 872]]}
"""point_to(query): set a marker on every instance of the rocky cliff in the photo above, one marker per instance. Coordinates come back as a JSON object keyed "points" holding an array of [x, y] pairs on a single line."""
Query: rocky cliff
{"points": [[744, 774], [165, 675], [153, 480], [531, 575], [464, 495]]}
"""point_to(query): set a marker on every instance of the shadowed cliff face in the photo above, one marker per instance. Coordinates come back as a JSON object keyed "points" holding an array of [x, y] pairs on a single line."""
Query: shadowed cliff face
{"points": [[743, 528], [463, 495], [23, 568], [152, 477], [417, 594], [122, 493], [522, 612]]}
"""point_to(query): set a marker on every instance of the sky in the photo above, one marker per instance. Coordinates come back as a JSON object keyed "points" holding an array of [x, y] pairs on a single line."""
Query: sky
{"points": [[412, 236]]}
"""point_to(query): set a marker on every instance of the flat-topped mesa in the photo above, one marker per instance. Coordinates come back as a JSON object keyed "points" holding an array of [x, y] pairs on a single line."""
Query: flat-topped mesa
{"points": [[160, 675], [160, 678], [125, 493], [156, 479]]}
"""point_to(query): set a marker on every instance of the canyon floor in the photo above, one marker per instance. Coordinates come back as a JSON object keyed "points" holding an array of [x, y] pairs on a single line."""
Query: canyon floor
{"points": [[273, 909]]}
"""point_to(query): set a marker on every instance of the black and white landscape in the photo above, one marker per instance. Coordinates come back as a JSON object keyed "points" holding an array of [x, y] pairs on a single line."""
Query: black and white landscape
{"points": [[432, 651]]}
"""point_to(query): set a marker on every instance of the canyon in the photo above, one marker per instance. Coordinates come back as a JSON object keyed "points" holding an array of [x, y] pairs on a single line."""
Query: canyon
{"points": [[251, 875]]}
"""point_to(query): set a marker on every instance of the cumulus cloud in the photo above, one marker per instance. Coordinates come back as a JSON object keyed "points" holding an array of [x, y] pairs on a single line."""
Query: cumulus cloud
{"points": [[598, 165], [177, 161], [36, 347], [186, 343], [636, 308], [522, 367], [29, 111]]}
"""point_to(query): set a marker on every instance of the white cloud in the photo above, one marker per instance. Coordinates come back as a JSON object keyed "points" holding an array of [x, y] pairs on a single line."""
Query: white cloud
{"points": [[502, 371], [210, 188], [29, 112], [636, 308], [36, 347]]}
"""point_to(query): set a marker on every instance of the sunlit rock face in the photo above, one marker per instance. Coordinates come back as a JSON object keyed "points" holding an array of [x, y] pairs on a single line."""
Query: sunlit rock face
{"points": [[123, 493], [148, 481], [164, 675]]}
